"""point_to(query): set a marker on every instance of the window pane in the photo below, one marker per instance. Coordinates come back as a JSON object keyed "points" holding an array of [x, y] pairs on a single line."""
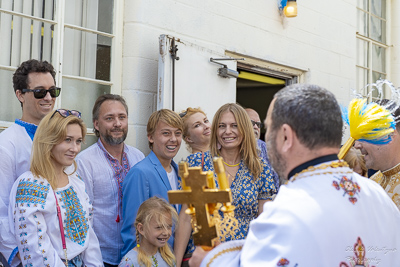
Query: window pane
{"points": [[362, 53], [378, 29], [91, 14], [376, 76], [23, 39], [362, 22], [362, 4], [88, 55], [10, 108], [362, 79], [378, 58], [40, 9], [81, 95], [378, 8]]}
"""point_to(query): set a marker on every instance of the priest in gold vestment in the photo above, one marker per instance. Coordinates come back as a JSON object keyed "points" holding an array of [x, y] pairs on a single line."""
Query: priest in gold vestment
{"points": [[386, 159]]}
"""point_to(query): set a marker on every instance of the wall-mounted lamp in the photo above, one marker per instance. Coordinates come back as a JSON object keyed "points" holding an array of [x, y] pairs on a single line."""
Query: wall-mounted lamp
{"points": [[288, 8], [224, 71]]}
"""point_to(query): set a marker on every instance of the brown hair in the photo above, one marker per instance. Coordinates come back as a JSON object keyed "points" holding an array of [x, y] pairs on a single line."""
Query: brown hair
{"points": [[248, 147], [99, 101]]}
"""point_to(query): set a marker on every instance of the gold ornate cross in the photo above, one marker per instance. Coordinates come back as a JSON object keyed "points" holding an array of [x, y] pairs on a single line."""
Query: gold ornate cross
{"points": [[200, 193]]}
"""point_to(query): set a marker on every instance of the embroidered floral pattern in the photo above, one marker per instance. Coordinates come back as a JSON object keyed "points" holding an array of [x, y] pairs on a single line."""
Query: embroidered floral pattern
{"points": [[245, 192], [350, 188], [283, 262], [76, 224], [32, 192]]}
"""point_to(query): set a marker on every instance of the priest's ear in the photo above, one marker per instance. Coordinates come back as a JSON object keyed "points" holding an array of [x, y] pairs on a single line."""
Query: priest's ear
{"points": [[288, 137]]}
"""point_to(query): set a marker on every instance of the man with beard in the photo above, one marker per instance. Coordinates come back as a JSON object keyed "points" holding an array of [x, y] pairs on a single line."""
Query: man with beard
{"points": [[262, 146], [324, 213], [103, 166], [385, 158]]}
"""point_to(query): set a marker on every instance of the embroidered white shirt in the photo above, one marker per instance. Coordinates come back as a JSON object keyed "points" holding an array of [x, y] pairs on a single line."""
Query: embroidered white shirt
{"points": [[34, 221]]}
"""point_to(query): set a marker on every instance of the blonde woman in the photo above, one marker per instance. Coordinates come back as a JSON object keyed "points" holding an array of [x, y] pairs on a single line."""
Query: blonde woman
{"points": [[250, 178], [49, 205], [196, 130]]}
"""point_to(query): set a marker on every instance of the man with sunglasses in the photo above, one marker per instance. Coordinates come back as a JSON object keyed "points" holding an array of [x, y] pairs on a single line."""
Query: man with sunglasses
{"points": [[35, 88], [103, 166], [262, 146]]}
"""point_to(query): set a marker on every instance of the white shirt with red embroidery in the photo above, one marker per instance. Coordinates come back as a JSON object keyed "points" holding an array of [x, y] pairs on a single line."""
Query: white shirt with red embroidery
{"points": [[325, 217]]}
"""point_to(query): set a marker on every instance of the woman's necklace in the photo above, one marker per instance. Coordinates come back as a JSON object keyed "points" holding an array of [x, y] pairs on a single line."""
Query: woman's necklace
{"points": [[234, 165], [154, 261]]}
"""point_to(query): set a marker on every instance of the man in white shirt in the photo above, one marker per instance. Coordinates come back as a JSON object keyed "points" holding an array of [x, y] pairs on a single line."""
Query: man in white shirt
{"points": [[325, 215], [103, 166], [35, 88]]}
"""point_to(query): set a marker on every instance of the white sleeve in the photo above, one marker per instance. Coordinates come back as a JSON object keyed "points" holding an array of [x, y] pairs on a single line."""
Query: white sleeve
{"points": [[86, 176], [7, 176], [29, 204], [92, 254]]}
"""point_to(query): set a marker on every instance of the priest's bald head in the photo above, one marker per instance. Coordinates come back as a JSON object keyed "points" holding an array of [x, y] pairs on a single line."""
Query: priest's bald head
{"points": [[303, 122]]}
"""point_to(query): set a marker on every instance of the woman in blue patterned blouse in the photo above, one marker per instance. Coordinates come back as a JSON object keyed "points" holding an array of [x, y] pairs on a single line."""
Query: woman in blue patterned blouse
{"points": [[249, 176]]}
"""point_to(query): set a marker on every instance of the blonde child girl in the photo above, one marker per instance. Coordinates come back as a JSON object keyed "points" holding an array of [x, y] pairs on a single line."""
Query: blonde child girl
{"points": [[153, 225]]}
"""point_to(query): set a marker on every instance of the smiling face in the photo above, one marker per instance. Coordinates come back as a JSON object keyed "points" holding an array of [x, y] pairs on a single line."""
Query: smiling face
{"points": [[228, 134], [64, 153], [256, 118], [112, 123], [166, 141], [33, 110], [199, 129], [378, 157], [155, 233]]}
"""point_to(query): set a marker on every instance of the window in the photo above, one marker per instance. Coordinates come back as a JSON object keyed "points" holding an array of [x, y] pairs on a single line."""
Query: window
{"points": [[76, 36], [371, 43]]}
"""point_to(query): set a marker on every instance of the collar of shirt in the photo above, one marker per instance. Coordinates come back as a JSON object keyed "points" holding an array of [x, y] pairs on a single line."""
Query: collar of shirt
{"points": [[312, 162], [29, 127]]}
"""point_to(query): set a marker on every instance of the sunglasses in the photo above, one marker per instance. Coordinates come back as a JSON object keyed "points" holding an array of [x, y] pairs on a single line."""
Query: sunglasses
{"points": [[183, 114], [65, 113], [259, 124], [41, 93]]}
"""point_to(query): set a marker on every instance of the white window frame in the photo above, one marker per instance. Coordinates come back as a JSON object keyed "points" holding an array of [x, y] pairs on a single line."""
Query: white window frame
{"points": [[58, 43], [371, 42]]}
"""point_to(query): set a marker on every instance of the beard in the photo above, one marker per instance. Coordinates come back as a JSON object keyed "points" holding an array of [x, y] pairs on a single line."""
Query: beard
{"points": [[276, 160], [109, 139]]}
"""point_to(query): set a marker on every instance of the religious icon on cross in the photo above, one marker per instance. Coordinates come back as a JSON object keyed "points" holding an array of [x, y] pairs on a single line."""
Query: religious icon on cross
{"points": [[201, 195]]}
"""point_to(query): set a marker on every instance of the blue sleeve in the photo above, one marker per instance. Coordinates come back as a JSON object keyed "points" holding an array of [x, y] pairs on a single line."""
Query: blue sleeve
{"points": [[266, 182], [135, 190]]}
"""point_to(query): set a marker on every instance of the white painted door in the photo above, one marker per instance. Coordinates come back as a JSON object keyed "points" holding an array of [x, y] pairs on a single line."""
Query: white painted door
{"points": [[196, 81]]}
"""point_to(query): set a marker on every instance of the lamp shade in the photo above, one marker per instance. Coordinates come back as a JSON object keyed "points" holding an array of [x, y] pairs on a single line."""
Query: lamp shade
{"points": [[290, 10]]}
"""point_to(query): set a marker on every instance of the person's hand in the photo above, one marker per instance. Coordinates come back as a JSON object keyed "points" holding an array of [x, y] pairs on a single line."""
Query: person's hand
{"points": [[197, 257]]}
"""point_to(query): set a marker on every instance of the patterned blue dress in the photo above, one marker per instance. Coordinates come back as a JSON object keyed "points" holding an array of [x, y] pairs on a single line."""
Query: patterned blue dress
{"points": [[245, 192]]}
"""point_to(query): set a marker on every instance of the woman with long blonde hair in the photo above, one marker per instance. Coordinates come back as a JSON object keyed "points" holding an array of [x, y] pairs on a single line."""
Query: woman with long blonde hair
{"points": [[52, 213], [153, 224], [250, 178]]}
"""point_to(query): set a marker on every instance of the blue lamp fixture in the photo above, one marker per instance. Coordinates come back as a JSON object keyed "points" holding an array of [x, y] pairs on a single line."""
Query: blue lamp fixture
{"points": [[288, 8]]}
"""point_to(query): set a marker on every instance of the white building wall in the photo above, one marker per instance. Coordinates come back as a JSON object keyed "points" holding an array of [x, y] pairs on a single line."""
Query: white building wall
{"points": [[322, 39]]}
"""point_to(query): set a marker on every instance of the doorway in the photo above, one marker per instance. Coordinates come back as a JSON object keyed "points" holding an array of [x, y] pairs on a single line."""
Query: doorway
{"points": [[256, 91]]}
